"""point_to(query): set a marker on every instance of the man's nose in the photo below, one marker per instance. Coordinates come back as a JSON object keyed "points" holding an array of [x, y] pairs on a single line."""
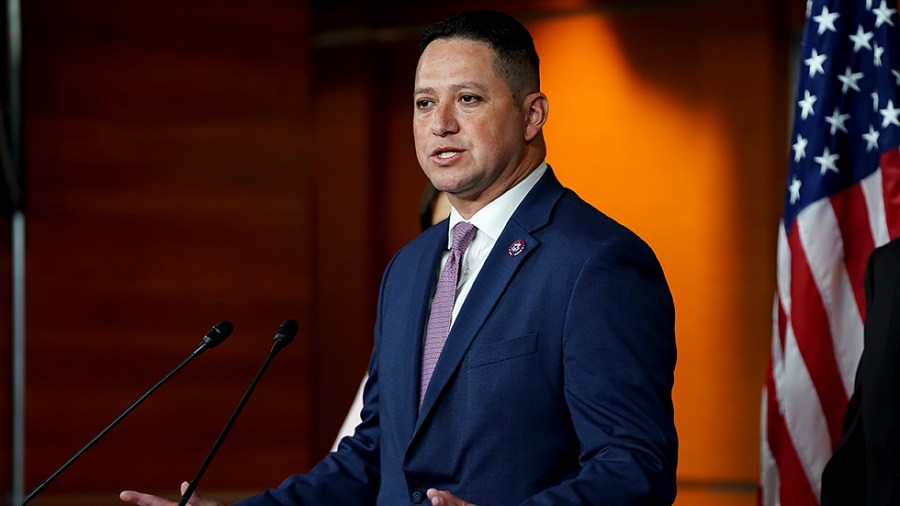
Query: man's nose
{"points": [[445, 122]]}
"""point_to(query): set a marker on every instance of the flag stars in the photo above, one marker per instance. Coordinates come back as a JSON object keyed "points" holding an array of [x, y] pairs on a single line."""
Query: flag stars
{"points": [[871, 139], [794, 188], [896, 77], [827, 161], [874, 96], [826, 20], [861, 39], [799, 148], [814, 62], [882, 15], [836, 120], [806, 105], [889, 115], [876, 55], [850, 80]]}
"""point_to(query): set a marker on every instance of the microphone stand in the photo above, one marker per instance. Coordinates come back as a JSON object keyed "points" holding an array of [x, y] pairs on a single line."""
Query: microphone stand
{"points": [[284, 336], [208, 342]]}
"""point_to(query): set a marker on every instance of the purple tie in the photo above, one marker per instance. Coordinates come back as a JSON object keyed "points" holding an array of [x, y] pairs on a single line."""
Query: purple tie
{"points": [[442, 305]]}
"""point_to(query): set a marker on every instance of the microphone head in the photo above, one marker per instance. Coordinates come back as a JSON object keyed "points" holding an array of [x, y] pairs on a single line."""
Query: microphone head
{"points": [[217, 334], [286, 332]]}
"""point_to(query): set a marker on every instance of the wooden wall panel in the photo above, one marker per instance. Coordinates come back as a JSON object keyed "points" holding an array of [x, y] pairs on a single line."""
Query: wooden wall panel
{"points": [[347, 241], [168, 188]]}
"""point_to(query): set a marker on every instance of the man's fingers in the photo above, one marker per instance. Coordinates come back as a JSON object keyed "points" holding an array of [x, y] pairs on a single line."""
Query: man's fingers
{"points": [[196, 498], [444, 498], [435, 496], [140, 499]]}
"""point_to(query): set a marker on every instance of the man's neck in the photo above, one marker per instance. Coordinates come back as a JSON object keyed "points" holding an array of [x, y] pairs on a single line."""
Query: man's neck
{"points": [[467, 207]]}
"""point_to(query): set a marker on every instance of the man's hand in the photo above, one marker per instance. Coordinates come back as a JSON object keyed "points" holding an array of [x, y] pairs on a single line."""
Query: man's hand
{"points": [[444, 498], [141, 499]]}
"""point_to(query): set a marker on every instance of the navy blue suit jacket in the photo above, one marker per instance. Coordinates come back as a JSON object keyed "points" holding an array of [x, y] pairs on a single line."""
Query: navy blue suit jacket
{"points": [[554, 387]]}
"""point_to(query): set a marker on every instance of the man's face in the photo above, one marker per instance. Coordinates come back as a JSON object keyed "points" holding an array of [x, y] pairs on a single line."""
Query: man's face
{"points": [[469, 132]]}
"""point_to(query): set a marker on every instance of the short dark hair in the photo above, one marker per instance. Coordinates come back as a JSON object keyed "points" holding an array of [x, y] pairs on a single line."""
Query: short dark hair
{"points": [[516, 60]]}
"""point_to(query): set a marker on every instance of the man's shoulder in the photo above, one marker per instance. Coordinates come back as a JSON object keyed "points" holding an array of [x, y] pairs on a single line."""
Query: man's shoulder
{"points": [[578, 219], [889, 252], [884, 264]]}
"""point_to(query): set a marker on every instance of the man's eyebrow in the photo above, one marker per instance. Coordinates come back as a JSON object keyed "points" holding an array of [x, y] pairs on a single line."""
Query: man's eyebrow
{"points": [[456, 87]]}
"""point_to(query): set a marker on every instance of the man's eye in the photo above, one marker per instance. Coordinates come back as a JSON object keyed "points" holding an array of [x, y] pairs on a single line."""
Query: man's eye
{"points": [[468, 99], [422, 103]]}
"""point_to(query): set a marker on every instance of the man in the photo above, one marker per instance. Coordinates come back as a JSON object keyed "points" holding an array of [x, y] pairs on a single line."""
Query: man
{"points": [[865, 467], [554, 384]]}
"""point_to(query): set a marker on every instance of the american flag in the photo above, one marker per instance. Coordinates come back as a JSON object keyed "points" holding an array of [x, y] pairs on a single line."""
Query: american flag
{"points": [[841, 201]]}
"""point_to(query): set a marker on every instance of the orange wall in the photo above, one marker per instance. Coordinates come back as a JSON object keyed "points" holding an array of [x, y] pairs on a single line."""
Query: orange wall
{"points": [[671, 122]]}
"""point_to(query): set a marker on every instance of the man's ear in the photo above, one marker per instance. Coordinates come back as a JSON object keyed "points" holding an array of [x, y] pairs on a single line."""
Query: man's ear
{"points": [[536, 109]]}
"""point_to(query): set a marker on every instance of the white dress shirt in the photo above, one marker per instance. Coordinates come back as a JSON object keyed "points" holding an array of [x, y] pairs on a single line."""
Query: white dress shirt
{"points": [[490, 221]]}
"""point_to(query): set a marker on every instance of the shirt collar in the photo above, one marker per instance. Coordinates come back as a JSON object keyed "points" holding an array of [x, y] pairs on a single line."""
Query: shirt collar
{"points": [[492, 218]]}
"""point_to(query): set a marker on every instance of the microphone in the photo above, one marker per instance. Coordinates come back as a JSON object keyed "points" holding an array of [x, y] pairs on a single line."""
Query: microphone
{"points": [[283, 336], [214, 337]]}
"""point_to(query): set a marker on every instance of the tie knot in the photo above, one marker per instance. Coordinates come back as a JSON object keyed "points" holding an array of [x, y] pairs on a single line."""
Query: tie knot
{"points": [[463, 234]]}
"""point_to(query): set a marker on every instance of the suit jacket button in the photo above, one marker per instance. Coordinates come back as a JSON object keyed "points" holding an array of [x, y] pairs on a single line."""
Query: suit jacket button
{"points": [[416, 495]]}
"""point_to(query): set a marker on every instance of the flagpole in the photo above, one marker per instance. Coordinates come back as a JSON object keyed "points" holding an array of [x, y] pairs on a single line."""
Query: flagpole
{"points": [[14, 161]]}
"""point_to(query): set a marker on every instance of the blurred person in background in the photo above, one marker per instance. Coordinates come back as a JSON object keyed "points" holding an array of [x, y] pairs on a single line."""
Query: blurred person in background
{"points": [[865, 467]]}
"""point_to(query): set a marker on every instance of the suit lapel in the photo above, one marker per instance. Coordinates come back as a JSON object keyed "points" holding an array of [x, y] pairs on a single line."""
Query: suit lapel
{"points": [[498, 271], [424, 280]]}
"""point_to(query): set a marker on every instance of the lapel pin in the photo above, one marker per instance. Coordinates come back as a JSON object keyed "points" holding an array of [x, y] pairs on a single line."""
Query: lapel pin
{"points": [[516, 247]]}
